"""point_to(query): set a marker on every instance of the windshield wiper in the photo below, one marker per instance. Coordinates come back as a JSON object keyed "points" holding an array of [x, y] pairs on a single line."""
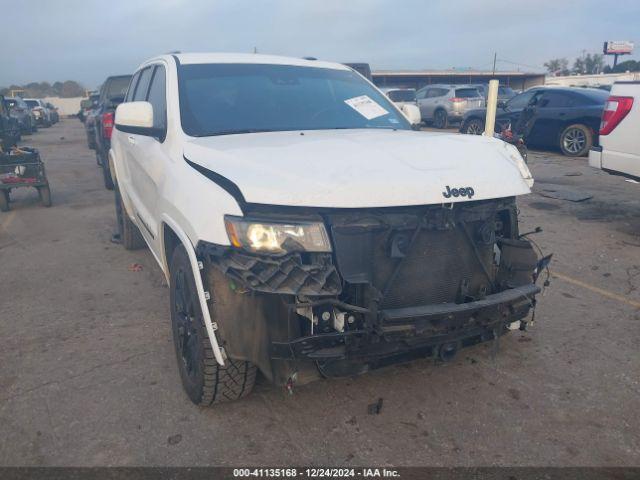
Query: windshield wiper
{"points": [[239, 131]]}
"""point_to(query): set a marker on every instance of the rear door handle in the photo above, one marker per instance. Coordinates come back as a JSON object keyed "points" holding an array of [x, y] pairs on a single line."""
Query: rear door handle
{"points": [[132, 140]]}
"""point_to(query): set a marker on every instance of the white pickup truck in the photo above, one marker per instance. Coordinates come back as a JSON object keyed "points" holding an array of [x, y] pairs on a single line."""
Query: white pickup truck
{"points": [[305, 228], [619, 150]]}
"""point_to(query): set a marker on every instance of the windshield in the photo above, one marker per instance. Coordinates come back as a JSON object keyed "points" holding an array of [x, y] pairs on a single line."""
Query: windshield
{"points": [[219, 99], [32, 103], [402, 95]]}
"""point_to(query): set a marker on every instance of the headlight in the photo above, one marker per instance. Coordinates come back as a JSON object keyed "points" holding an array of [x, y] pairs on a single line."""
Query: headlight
{"points": [[277, 237]]}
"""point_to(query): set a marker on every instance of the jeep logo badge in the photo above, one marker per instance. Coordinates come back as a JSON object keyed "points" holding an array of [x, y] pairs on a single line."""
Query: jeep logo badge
{"points": [[459, 192]]}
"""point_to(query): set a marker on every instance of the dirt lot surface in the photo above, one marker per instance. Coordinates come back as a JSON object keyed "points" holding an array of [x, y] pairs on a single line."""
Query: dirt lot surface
{"points": [[88, 373]]}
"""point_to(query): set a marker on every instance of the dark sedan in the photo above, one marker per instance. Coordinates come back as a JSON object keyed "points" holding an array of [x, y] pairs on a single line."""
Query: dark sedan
{"points": [[566, 118]]}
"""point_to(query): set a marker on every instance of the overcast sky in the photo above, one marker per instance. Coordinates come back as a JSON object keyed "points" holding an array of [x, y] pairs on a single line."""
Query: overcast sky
{"points": [[87, 40]]}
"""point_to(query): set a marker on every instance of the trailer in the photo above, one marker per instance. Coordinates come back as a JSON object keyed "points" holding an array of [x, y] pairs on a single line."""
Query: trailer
{"points": [[22, 167]]}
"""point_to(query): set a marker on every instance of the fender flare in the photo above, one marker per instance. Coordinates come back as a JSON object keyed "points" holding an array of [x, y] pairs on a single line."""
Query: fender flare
{"points": [[209, 325]]}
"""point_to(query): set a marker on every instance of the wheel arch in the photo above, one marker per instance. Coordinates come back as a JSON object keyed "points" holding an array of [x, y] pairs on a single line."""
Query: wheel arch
{"points": [[174, 236], [170, 241], [584, 121]]}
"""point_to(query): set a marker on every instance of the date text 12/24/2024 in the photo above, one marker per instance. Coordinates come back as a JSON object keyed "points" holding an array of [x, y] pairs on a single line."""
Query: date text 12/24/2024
{"points": [[315, 473]]}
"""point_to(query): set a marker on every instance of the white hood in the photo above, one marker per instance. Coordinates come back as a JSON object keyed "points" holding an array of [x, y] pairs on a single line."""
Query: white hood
{"points": [[362, 168]]}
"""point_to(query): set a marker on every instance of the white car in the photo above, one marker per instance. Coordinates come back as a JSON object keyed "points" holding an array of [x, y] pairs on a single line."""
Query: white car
{"points": [[41, 112], [305, 229], [401, 96], [619, 150]]}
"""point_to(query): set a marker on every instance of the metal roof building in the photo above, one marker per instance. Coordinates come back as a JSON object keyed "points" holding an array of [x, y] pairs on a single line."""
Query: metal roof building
{"points": [[420, 78]]}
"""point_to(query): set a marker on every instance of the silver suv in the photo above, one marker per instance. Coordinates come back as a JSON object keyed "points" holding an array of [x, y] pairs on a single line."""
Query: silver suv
{"points": [[445, 104]]}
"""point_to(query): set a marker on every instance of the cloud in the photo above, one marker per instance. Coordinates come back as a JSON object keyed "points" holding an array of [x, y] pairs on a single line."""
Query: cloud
{"points": [[87, 40]]}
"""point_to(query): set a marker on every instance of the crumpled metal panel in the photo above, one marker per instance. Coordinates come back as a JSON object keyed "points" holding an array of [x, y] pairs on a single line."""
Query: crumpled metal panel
{"points": [[316, 275]]}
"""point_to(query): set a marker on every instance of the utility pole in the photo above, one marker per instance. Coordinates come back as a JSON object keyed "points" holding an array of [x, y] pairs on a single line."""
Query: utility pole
{"points": [[495, 55]]}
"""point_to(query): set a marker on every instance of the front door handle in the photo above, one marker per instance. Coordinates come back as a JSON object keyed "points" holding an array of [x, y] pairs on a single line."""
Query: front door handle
{"points": [[132, 140]]}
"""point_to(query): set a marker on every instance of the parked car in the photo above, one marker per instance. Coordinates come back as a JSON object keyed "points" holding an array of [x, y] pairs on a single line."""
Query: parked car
{"points": [[19, 110], [53, 112], [40, 111], [504, 92], [401, 96], [112, 94], [250, 178], [561, 117], [87, 105], [446, 104], [90, 128], [619, 149]]}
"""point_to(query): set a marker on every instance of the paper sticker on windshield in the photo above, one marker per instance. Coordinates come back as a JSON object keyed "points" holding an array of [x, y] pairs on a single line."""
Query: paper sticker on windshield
{"points": [[366, 107]]}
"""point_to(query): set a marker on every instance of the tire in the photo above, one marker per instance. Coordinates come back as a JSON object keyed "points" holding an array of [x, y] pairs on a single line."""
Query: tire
{"points": [[576, 140], [203, 379], [106, 175], [475, 126], [45, 195], [130, 235], [4, 201], [440, 119]]}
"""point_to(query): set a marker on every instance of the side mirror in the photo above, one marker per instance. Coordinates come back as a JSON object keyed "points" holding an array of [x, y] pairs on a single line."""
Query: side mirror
{"points": [[137, 118], [502, 104], [412, 112]]}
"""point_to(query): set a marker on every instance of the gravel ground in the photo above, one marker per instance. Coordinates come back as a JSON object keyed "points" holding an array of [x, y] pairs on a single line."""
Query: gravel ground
{"points": [[88, 374]]}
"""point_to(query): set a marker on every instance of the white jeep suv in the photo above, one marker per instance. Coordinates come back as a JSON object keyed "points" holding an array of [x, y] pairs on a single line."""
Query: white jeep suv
{"points": [[305, 228]]}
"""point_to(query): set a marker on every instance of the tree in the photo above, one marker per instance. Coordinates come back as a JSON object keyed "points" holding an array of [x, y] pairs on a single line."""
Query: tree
{"points": [[44, 89], [557, 66], [626, 66], [594, 63], [71, 89], [57, 88], [588, 63]]}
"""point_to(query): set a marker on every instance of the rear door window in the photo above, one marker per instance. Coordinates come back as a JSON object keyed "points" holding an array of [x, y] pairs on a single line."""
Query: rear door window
{"points": [[437, 92], [554, 100]]}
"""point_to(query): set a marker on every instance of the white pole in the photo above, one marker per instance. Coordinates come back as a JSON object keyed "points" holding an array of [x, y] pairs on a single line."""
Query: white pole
{"points": [[492, 105]]}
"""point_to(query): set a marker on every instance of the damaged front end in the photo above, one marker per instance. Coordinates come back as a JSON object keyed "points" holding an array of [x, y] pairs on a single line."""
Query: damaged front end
{"points": [[397, 283]]}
